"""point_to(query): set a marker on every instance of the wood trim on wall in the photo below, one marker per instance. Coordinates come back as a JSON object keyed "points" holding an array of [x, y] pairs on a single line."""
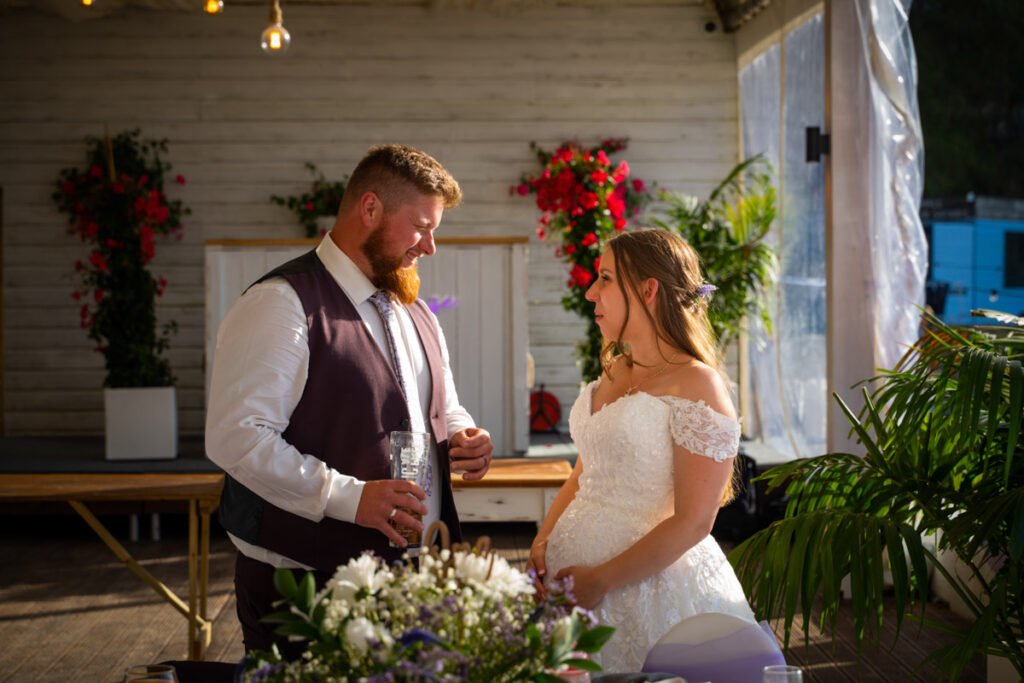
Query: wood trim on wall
{"points": [[3, 345], [296, 242]]}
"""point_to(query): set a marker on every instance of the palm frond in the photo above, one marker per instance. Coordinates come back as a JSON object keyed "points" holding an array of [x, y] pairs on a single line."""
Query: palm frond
{"points": [[941, 433], [998, 315], [785, 568]]}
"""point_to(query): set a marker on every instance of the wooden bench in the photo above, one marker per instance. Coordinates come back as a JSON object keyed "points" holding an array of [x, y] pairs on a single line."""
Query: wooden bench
{"points": [[200, 490], [514, 490]]}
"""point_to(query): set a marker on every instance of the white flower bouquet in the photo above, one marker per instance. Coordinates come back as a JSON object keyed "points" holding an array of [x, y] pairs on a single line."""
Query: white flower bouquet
{"points": [[460, 615]]}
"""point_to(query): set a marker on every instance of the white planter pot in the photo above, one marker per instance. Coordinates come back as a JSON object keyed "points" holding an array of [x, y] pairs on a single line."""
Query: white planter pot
{"points": [[324, 225], [141, 423], [955, 566]]}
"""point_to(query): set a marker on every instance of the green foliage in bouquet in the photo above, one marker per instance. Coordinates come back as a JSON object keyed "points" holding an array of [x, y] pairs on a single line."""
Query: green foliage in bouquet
{"points": [[945, 456], [585, 199], [117, 207], [729, 230], [461, 615], [323, 199]]}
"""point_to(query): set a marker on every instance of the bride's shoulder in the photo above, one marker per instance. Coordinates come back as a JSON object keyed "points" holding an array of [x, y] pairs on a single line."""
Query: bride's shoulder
{"points": [[701, 384], [702, 419]]}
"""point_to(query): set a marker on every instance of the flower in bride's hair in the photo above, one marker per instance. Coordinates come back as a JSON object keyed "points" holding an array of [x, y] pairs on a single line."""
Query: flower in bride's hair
{"points": [[705, 291]]}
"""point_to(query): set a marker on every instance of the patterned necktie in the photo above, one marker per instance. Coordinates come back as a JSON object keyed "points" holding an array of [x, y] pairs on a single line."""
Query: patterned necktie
{"points": [[382, 302]]}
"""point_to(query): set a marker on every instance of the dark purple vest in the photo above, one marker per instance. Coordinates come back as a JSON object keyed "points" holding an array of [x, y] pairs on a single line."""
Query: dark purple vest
{"points": [[349, 405]]}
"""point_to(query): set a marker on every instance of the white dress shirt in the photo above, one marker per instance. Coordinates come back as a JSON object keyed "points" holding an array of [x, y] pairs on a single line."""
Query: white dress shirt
{"points": [[259, 373]]}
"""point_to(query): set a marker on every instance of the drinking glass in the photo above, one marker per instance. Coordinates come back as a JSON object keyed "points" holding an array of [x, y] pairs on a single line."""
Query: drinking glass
{"points": [[410, 460], [783, 673], [150, 673]]}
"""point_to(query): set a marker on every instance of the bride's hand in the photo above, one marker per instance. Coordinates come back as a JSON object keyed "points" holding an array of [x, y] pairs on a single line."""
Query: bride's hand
{"points": [[538, 563], [588, 586]]}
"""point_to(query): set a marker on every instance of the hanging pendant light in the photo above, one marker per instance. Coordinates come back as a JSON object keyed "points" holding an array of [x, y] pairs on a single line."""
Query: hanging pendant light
{"points": [[213, 6], [275, 38], [87, 3]]}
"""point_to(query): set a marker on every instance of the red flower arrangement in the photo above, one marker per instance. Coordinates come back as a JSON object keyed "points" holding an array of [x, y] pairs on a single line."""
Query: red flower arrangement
{"points": [[117, 207], [584, 198]]}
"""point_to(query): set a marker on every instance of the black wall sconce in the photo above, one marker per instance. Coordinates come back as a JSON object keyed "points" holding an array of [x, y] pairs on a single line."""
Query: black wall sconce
{"points": [[818, 143]]}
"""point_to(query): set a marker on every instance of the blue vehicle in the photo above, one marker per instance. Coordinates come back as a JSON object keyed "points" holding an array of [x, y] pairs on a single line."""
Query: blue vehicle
{"points": [[975, 256]]}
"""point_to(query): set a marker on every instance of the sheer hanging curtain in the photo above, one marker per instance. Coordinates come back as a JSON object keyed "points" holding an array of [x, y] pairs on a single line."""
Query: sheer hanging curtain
{"points": [[782, 92], [878, 253], [899, 250], [831, 334], [761, 112]]}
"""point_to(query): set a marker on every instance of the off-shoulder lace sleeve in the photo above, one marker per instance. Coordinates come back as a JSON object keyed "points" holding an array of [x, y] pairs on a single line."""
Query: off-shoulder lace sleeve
{"points": [[699, 429]]}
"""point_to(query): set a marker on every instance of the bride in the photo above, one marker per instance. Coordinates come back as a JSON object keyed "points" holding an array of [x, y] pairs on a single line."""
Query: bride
{"points": [[657, 438]]}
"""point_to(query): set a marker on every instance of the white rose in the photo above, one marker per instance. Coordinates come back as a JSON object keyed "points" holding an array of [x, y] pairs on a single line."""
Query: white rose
{"points": [[357, 632], [361, 572]]}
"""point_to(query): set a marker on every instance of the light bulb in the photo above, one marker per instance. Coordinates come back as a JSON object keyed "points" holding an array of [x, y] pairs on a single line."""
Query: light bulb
{"points": [[87, 3], [275, 38], [213, 6]]}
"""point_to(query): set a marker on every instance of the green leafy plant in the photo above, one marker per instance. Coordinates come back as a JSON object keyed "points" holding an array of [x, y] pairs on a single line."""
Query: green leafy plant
{"points": [[729, 230], [323, 199], [117, 207], [584, 199], [944, 456], [460, 615]]}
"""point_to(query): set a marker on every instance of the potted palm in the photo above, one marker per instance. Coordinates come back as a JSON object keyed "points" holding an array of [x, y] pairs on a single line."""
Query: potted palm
{"points": [[944, 456], [116, 206], [729, 230]]}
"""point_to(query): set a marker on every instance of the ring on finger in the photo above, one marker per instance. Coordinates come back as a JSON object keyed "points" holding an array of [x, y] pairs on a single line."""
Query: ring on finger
{"points": [[394, 511]]}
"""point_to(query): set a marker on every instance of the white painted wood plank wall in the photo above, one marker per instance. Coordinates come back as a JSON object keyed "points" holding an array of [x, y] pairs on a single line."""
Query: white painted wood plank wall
{"points": [[472, 87]]}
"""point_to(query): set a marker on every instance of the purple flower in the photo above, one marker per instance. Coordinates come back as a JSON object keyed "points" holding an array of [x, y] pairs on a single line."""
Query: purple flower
{"points": [[435, 304], [265, 672], [705, 291], [418, 635]]}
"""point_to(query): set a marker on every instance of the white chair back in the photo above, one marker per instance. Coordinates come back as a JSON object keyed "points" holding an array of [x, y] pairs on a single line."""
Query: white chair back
{"points": [[716, 647]]}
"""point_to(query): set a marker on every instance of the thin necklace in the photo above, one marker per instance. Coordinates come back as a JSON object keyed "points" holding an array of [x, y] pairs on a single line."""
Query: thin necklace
{"points": [[664, 366]]}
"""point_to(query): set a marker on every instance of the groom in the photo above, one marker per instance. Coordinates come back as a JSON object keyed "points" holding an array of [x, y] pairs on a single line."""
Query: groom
{"points": [[315, 365]]}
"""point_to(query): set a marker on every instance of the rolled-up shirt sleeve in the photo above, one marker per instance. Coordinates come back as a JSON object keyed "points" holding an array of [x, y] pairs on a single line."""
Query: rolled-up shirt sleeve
{"points": [[259, 371]]}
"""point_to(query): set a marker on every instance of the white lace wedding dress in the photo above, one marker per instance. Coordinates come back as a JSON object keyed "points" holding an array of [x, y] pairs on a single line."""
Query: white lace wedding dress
{"points": [[625, 490]]}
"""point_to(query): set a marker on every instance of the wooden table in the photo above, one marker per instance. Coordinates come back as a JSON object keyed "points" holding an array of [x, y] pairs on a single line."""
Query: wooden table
{"points": [[514, 490], [201, 491]]}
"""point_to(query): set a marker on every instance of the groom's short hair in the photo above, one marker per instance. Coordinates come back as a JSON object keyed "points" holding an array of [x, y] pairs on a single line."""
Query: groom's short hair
{"points": [[392, 171]]}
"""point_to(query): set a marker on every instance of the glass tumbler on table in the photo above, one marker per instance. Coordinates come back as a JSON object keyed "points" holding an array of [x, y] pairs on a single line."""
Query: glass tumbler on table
{"points": [[150, 673], [783, 673], [410, 460]]}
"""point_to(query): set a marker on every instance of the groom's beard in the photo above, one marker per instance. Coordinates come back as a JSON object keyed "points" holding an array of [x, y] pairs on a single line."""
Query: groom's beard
{"points": [[388, 273]]}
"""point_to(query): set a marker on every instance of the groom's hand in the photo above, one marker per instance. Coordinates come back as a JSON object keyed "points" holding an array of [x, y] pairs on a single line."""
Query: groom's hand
{"points": [[470, 451], [388, 500]]}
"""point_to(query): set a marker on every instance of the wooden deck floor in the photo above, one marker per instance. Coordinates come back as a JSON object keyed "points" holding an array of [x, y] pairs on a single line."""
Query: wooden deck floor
{"points": [[70, 611]]}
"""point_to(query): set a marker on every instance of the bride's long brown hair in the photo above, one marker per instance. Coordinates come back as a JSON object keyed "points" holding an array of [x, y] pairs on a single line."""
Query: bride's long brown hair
{"points": [[680, 317]]}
